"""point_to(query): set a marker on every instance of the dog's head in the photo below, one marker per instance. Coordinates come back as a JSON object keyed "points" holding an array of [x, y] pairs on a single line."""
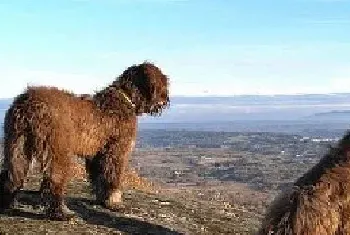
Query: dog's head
{"points": [[147, 88]]}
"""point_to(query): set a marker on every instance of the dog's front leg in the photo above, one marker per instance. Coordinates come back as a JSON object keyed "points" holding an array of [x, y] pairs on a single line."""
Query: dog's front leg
{"points": [[107, 172]]}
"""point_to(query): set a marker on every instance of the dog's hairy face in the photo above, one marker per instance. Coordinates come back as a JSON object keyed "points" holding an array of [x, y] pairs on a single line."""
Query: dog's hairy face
{"points": [[149, 86]]}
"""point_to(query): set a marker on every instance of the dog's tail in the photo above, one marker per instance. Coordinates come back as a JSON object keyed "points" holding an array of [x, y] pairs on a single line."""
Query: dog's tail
{"points": [[16, 159]]}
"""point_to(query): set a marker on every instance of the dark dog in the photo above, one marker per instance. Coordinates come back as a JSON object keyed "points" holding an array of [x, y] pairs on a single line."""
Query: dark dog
{"points": [[319, 203], [53, 126]]}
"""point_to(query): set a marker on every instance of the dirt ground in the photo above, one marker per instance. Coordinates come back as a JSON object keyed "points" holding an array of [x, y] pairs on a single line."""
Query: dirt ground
{"points": [[172, 210]]}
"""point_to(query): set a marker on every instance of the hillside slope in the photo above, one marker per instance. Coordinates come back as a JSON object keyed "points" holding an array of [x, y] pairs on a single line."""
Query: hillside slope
{"points": [[225, 209]]}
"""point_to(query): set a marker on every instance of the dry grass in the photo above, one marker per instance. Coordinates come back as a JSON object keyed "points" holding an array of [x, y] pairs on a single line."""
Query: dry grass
{"points": [[136, 182], [132, 178]]}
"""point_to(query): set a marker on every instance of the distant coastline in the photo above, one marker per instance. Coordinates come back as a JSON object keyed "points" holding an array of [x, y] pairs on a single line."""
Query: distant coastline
{"points": [[334, 112]]}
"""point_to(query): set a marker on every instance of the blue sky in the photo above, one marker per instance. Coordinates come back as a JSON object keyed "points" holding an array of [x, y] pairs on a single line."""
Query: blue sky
{"points": [[207, 47]]}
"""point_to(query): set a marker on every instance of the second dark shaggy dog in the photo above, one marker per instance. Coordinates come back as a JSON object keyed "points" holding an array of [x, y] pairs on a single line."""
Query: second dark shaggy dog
{"points": [[319, 204], [53, 126]]}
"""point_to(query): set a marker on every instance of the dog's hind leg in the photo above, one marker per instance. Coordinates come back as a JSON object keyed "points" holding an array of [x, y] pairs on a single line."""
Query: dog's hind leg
{"points": [[17, 159], [53, 187]]}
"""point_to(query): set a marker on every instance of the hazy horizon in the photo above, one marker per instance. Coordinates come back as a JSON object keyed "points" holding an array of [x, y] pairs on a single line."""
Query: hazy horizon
{"points": [[207, 109], [231, 96]]}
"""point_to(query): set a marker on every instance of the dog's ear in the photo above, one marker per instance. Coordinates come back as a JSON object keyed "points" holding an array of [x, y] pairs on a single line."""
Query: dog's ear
{"points": [[143, 82], [135, 78], [149, 81], [147, 87]]}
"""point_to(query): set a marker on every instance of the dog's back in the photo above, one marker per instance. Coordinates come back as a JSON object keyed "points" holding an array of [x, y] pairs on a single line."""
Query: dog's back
{"points": [[47, 117]]}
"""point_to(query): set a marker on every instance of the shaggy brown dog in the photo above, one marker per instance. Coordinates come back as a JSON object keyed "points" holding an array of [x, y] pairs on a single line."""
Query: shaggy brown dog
{"points": [[320, 201], [53, 126]]}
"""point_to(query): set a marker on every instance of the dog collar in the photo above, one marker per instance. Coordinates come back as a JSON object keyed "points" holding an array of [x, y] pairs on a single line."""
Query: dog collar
{"points": [[127, 98]]}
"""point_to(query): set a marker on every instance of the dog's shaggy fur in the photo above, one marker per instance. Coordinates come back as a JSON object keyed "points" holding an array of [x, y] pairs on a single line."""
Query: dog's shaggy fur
{"points": [[319, 203], [53, 126]]}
